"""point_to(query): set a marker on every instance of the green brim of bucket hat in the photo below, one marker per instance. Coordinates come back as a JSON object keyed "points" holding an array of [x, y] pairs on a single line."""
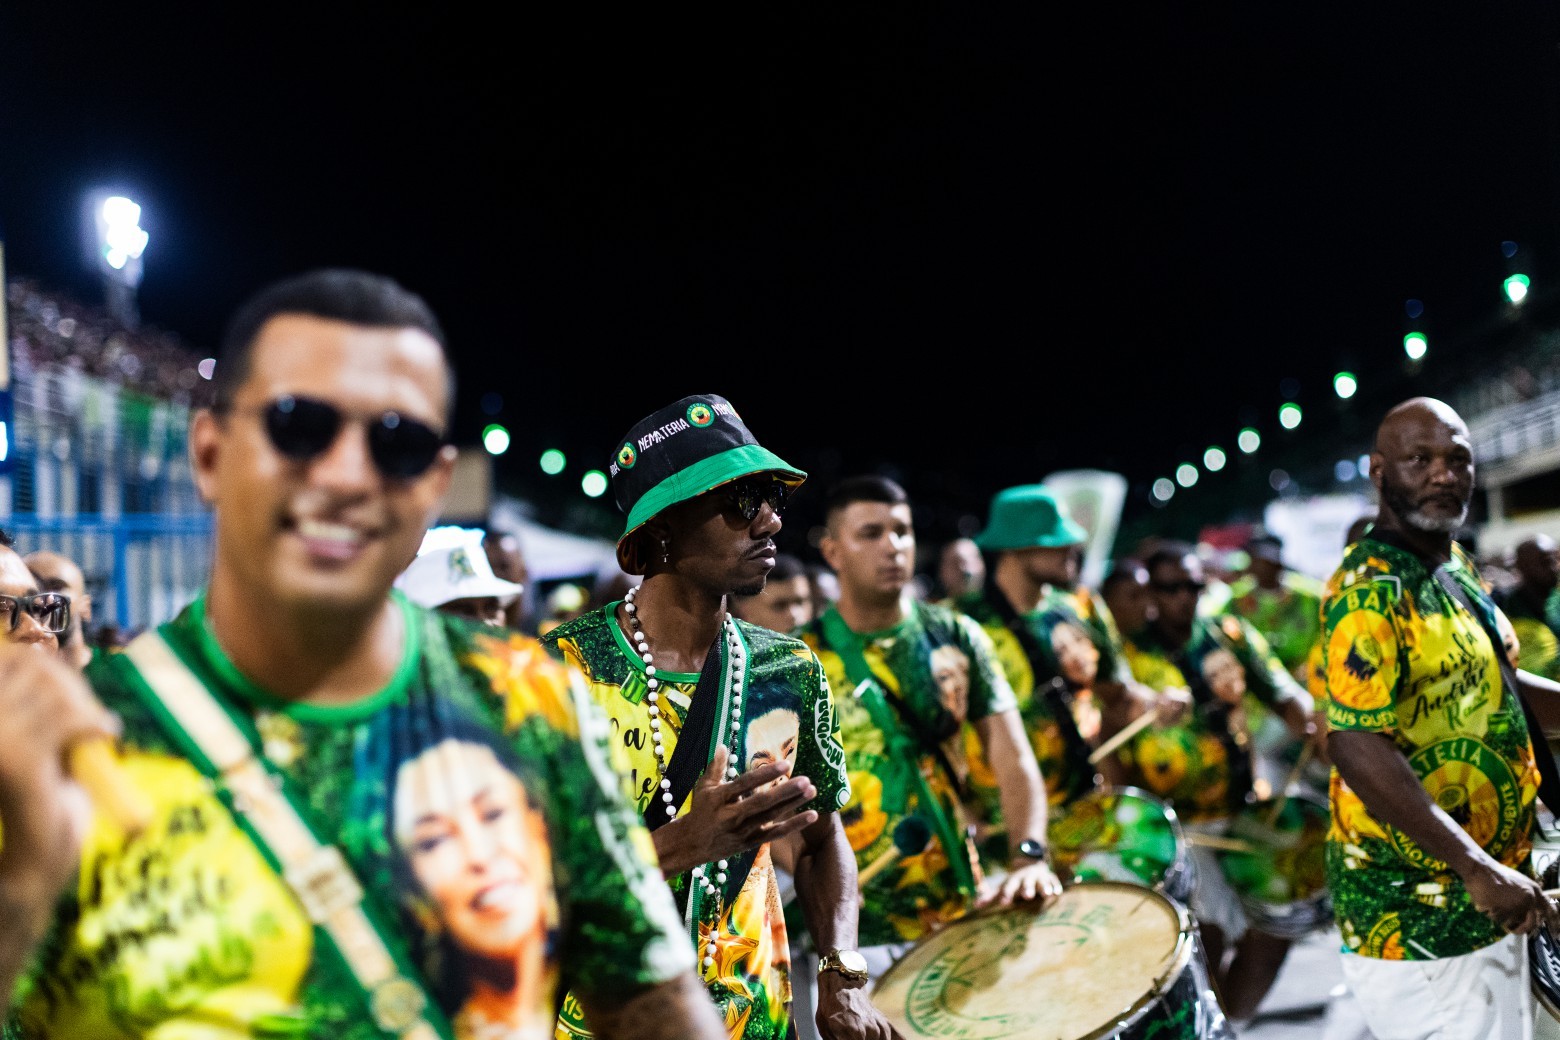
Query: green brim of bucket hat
{"points": [[707, 475], [1029, 517], [689, 447]]}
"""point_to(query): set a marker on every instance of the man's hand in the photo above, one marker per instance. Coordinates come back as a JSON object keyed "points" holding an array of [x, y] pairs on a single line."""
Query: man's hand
{"points": [[45, 707], [726, 818], [1511, 899], [846, 1013], [1033, 884]]}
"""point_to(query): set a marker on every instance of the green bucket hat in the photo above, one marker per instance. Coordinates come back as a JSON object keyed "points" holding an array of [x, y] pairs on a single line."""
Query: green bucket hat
{"points": [[1026, 517], [680, 452]]}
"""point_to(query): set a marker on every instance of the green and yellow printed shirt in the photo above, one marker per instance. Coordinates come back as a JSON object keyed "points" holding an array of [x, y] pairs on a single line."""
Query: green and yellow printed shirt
{"points": [[940, 669], [1202, 765], [1290, 619], [1402, 658], [787, 712], [1539, 644], [474, 798], [1056, 627]]}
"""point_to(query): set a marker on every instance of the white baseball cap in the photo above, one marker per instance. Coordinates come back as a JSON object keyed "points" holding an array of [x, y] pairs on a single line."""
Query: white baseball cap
{"points": [[451, 565]]}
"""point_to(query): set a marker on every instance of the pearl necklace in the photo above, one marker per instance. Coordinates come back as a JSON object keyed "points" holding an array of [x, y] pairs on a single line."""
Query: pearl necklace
{"points": [[701, 874]]}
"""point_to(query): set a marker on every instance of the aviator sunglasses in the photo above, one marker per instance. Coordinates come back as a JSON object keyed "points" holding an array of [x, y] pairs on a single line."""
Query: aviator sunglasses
{"points": [[303, 428], [50, 609], [747, 494]]}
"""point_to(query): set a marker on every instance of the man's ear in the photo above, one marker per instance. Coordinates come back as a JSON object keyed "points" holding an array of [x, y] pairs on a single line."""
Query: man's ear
{"points": [[828, 548], [204, 451], [1377, 463]]}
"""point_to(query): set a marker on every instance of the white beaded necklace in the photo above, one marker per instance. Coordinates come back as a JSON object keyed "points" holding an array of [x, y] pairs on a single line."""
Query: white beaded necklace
{"points": [[734, 675]]}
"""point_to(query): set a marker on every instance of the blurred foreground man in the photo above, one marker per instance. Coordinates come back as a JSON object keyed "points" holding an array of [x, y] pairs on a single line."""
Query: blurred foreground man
{"points": [[365, 819], [1435, 779]]}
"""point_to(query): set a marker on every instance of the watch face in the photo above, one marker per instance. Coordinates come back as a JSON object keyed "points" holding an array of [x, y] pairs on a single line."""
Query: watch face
{"points": [[1031, 848], [852, 961]]}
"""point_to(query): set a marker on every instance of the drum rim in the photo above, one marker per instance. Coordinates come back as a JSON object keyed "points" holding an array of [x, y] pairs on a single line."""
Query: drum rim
{"points": [[1183, 859], [1539, 993], [1318, 906], [1178, 962]]}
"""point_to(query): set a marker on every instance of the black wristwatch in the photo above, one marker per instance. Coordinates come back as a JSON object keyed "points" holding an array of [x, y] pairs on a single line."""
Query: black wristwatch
{"points": [[1032, 849]]}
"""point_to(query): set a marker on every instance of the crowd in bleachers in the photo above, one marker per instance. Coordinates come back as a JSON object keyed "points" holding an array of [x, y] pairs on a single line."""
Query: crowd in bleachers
{"points": [[51, 330]]}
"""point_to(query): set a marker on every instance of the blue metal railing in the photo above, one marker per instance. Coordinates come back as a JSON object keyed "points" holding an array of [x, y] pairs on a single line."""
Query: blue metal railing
{"points": [[141, 568]]}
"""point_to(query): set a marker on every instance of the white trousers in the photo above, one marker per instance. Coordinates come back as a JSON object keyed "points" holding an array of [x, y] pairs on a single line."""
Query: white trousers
{"points": [[1484, 995]]}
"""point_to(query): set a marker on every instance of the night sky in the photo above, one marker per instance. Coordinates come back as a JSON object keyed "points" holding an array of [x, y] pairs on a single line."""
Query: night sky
{"points": [[967, 245]]}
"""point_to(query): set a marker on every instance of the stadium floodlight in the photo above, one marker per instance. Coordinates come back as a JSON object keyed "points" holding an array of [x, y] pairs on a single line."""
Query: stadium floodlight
{"points": [[553, 462], [1289, 415], [1186, 474], [1214, 459], [1516, 287], [1249, 440], [594, 483], [116, 242], [1345, 385], [1164, 487], [1415, 345]]}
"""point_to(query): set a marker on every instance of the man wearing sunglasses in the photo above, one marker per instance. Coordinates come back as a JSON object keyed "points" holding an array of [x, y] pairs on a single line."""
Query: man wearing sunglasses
{"points": [[1202, 765], [727, 727], [275, 888], [33, 618], [58, 573]]}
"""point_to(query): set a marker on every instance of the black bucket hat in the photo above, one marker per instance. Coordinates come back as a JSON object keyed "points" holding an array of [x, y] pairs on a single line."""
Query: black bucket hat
{"points": [[680, 452]]}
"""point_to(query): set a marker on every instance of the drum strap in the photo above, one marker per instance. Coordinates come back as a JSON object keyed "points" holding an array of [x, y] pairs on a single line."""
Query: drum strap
{"points": [[1484, 611], [903, 750], [275, 816], [1081, 775]]}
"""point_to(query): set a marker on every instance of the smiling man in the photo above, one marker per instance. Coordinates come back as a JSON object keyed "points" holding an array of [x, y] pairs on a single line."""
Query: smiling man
{"points": [[266, 723], [1435, 778]]}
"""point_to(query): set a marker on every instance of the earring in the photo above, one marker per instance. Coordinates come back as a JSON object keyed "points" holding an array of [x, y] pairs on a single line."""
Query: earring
{"points": [[666, 551]]}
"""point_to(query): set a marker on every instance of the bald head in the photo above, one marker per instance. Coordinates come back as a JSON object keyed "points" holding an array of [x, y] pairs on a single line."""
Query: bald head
{"points": [[1536, 565], [56, 573], [1413, 413]]}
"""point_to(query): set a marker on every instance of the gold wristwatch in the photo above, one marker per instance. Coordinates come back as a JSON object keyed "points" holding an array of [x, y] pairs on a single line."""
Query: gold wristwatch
{"points": [[848, 963]]}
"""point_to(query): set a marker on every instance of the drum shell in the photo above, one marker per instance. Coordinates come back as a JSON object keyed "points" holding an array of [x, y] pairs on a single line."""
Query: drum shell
{"points": [[1123, 834], [1010, 975], [1290, 856]]}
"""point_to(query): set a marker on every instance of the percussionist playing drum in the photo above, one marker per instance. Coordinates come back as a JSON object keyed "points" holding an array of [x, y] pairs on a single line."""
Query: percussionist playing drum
{"points": [[1061, 652], [1202, 765], [918, 671]]}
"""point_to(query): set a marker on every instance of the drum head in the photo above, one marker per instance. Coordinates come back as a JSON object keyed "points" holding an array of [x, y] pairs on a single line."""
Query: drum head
{"points": [[1090, 964], [1118, 834]]}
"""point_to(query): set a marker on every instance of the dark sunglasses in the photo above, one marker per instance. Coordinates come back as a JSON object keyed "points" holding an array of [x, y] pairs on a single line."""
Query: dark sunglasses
{"points": [[749, 493], [304, 428], [1171, 587], [50, 609]]}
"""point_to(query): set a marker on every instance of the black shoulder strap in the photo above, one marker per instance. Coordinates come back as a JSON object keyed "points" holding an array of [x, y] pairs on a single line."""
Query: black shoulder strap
{"points": [[1075, 750], [1548, 773], [692, 753]]}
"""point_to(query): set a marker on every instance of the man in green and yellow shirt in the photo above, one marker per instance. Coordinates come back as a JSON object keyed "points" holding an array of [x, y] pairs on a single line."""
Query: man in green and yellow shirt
{"points": [[1435, 778]]}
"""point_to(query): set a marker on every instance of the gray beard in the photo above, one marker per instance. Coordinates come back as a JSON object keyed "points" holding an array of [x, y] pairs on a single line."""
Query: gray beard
{"points": [[1419, 521]]}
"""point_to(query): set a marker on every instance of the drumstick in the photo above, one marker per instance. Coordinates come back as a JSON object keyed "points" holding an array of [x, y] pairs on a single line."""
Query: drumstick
{"points": [[95, 766], [1122, 735], [1215, 841], [1294, 774]]}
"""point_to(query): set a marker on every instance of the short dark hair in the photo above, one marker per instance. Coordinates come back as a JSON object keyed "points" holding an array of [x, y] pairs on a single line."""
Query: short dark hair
{"points": [[335, 293], [868, 487], [1169, 552], [1124, 569]]}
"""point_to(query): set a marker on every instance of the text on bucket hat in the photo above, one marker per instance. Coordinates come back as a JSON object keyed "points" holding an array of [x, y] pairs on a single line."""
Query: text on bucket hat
{"points": [[680, 452], [1026, 517]]}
